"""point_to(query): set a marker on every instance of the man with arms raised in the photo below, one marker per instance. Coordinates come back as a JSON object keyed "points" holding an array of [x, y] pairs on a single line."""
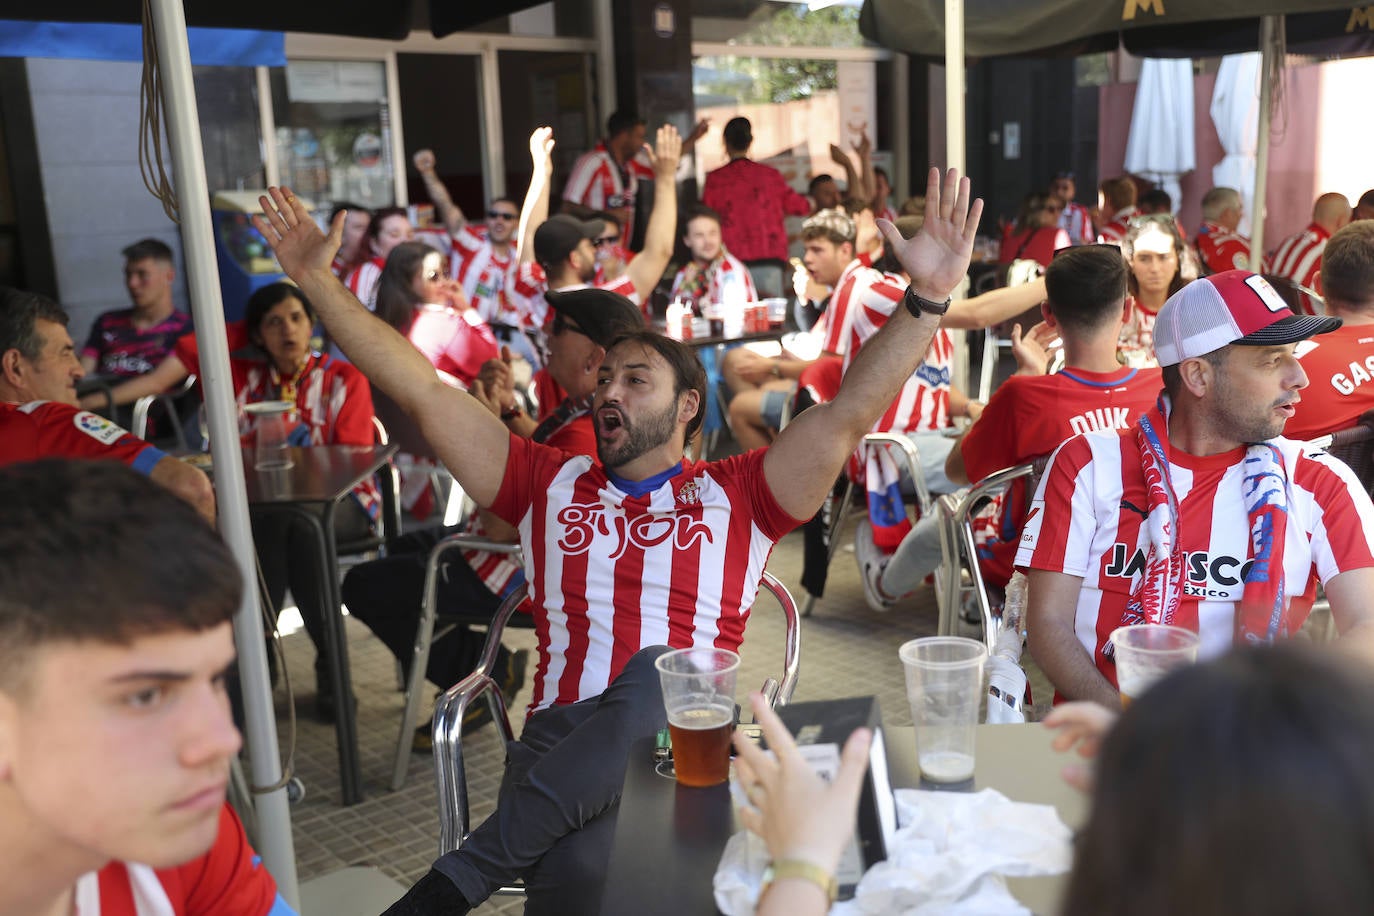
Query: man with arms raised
{"points": [[39, 415], [1201, 515], [115, 731], [626, 555]]}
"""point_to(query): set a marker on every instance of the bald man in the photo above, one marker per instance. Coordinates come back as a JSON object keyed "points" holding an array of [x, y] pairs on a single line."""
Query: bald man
{"points": [[1299, 257]]}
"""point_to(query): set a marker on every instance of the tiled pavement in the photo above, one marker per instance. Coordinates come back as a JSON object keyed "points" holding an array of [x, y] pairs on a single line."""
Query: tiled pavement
{"points": [[847, 650]]}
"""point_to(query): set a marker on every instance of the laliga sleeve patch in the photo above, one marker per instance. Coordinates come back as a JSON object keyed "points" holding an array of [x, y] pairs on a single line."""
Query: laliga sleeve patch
{"points": [[97, 427]]}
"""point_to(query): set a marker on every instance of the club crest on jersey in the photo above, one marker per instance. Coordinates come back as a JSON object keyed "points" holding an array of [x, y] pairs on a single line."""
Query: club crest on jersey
{"points": [[689, 494], [97, 427]]}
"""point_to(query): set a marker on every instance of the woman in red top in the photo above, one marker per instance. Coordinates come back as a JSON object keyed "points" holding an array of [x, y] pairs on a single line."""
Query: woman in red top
{"points": [[417, 298], [1036, 234]]}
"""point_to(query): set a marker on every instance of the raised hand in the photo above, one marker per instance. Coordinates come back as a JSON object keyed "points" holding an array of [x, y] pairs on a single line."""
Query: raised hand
{"points": [[838, 154], [1083, 725], [1031, 350], [424, 160], [666, 152], [297, 242], [937, 257], [698, 131], [864, 146], [541, 149]]}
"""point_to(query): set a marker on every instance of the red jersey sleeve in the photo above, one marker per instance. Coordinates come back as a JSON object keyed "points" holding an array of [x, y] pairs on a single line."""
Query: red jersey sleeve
{"points": [[1049, 539], [47, 429], [353, 425], [229, 880], [530, 467], [745, 474], [1342, 540]]}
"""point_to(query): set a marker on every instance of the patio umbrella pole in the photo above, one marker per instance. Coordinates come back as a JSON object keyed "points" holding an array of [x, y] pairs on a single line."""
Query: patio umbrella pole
{"points": [[274, 841], [1270, 30]]}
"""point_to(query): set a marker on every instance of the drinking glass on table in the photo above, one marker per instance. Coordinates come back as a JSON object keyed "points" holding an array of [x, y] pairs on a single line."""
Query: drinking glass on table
{"points": [[270, 434], [699, 696], [944, 684], [1146, 652]]}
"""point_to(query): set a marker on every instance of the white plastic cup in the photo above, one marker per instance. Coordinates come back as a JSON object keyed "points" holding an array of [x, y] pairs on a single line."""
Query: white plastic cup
{"points": [[944, 685], [699, 697], [1146, 652], [269, 434]]}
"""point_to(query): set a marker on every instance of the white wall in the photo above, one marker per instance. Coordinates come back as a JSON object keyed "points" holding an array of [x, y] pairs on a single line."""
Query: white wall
{"points": [[85, 116]]}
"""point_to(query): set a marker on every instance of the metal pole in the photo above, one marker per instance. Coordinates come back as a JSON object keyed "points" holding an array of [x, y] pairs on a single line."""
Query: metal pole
{"points": [[266, 124], [954, 85], [275, 843], [603, 29], [1270, 30]]}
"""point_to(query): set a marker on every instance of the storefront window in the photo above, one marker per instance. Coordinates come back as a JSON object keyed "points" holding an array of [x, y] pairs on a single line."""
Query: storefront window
{"points": [[227, 98], [334, 131]]}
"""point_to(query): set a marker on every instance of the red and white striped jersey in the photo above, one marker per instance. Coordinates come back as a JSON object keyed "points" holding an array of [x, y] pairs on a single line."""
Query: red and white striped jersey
{"points": [[1076, 222], [1299, 257], [229, 880], [362, 281], [726, 270], [1219, 249], [923, 403], [1115, 231], [1137, 341], [599, 182], [838, 316], [483, 274], [526, 306], [615, 566], [1088, 519]]}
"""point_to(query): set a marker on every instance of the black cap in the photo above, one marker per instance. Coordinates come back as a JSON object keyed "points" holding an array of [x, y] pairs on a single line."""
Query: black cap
{"points": [[738, 133], [557, 236], [600, 314]]}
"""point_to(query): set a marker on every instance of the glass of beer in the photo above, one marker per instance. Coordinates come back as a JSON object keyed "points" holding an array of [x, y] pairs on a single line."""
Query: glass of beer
{"points": [[699, 696], [944, 684], [1146, 652]]}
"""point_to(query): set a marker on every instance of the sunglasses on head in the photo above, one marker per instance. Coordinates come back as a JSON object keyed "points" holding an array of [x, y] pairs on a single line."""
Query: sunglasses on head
{"points": [[561, 324], [501, 214]]}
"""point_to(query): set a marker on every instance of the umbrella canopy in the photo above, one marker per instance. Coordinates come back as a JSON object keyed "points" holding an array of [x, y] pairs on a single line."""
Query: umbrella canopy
{"points": [[1157, 28], [360, 18], [1161, 144]]}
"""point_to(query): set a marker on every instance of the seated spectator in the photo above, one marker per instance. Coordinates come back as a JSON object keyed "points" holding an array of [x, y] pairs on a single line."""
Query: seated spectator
{"points": [[713, 274], [1116, 205], [333, 407], [1340, 365], [1174, 825], [386, 594], [132, 341], [1028, 417], [418, 299], [1219, 246], [882, 196], [1035, 235], [1154, 253], [1364, 208], [115, 733], [354, 245], [1074, 218], [824, 193], [1157, 202], [612, 258], [1299, 256], [1154, 524], [39, 414], [390, 226]]}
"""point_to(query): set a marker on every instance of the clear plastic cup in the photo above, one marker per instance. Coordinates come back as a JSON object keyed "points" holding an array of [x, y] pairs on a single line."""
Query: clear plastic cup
{"points": [[270, 452], [944, 685], [699, 696], [1146, 652]]}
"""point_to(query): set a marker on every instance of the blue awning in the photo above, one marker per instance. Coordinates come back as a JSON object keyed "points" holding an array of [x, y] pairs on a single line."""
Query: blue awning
{"points": [[89, 41]]}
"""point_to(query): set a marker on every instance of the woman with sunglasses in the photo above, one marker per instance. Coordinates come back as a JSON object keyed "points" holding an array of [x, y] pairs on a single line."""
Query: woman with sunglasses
{"points": [[416, 297], [1159, 267], [1035, 235]]}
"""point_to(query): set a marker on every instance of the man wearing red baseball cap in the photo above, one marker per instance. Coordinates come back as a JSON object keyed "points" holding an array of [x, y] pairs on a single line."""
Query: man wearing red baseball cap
{"points": [[1201, 516]]}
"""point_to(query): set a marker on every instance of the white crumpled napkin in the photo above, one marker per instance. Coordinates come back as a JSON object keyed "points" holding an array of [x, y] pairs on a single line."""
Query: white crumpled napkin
{"points": [[948, 857]]}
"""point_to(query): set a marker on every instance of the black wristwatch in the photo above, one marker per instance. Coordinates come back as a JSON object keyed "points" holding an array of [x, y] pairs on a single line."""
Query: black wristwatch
{"points": [[919, 306]]}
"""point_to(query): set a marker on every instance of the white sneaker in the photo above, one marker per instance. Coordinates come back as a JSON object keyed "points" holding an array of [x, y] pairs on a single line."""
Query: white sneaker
{"points": [[872, 561]]}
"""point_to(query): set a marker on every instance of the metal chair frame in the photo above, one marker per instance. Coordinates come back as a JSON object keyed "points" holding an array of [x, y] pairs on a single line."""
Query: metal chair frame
{"points": [[425, 636], [449, 765], [840, 509], [168, 401]]}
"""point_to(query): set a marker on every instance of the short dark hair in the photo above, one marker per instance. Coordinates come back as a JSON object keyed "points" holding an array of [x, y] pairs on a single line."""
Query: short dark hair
{"points": [[1172, 376], [738, 133], [341, 205], [396, 296], [1085, 287], [20, 313], [688, 373], [505, 200], [92, 550], [698, 211], [144, 249], [380, 215], [621, 121], [1156, 200], [1237, 786], [1348, 264], [266, 298], [1118, 193], [817, 182]]}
